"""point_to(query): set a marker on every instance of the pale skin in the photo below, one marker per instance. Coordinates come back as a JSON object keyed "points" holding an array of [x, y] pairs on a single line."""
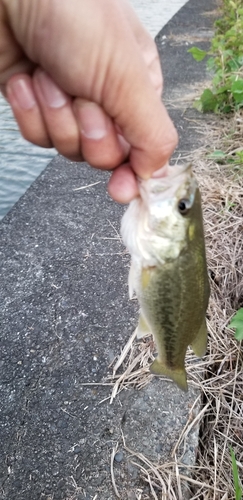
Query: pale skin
{"points": [[84, 76]]}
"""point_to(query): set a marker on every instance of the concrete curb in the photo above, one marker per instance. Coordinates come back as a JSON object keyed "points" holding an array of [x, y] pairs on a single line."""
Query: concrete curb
{"points": [[65, 314]]}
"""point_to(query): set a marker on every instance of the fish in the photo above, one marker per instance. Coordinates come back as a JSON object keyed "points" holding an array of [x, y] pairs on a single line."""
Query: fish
{"points": [[163, 230]]}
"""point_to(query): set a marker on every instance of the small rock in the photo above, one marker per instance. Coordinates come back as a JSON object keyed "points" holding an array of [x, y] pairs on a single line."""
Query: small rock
{"points": [[119, 456], [77, 449]]}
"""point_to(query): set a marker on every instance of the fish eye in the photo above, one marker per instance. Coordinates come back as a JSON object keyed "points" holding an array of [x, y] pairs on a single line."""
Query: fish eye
{"points": [[184, 206]]}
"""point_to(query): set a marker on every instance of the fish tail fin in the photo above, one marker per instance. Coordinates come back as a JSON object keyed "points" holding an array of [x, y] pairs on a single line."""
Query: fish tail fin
{"points": [[178, 376], [199, 345]]}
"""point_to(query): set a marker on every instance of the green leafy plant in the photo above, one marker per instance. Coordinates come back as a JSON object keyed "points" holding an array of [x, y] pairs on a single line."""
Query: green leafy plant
{"points": [[237, 323], [238, 490], [233, 158], [225, 61]]}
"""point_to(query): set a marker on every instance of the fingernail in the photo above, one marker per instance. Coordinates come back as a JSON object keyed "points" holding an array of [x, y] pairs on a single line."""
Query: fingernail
{"points": [[92, 120], [52, 94], [22, 93]]}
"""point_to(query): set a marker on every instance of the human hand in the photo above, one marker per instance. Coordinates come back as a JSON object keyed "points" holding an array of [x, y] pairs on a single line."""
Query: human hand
{"points": [[84, 76]]}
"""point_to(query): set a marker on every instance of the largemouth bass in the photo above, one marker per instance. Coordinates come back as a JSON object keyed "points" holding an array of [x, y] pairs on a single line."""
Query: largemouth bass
{"points": [[163, 231]]}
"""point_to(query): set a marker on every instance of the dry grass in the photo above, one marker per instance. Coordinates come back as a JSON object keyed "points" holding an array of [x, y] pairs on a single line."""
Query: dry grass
{"points": [[219, 375], [222, 387], [137, 357]]}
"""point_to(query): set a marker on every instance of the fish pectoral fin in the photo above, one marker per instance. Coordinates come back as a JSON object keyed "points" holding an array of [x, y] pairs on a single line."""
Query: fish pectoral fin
{"points": [[143, 328], [199, 345], [178, 376]]}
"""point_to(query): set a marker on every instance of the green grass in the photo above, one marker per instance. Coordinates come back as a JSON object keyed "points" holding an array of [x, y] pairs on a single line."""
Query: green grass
{"points": [[238, 490]]}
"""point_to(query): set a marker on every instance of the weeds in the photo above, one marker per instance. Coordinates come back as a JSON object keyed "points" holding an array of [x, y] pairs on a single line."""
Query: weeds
{"points": [[237, 323], [238, 490], [225, 60]]}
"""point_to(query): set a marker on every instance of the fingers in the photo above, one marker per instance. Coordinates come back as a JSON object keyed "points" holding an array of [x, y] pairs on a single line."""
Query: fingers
{"points": [[100, 142], [122, 186], [78, 129], [21, 97], [47, 117], [56, 109]]}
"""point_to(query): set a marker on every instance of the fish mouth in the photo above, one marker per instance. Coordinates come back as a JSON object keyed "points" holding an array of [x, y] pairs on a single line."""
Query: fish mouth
{"points": [[171, 170], [166, 187], [168, 172]]}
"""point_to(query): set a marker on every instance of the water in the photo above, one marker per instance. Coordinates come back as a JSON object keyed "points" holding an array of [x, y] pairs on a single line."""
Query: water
{"points": [[20, 161]]}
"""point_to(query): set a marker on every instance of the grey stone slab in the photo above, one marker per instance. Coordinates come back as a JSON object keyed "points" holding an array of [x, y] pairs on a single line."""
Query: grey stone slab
{"points": [[64, 316]]}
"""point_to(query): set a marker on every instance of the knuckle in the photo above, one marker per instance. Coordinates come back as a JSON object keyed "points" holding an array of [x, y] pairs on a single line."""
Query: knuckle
{"points": [[105, 159], [39, 138], [67, 146]]}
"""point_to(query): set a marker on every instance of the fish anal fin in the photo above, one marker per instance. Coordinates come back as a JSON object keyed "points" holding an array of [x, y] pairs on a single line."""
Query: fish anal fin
{"points": [[199, 345], [178, 376], [143, 328]]}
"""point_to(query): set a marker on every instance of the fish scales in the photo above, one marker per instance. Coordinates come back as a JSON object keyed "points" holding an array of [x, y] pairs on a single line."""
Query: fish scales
{"points": [[168, 270]]}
